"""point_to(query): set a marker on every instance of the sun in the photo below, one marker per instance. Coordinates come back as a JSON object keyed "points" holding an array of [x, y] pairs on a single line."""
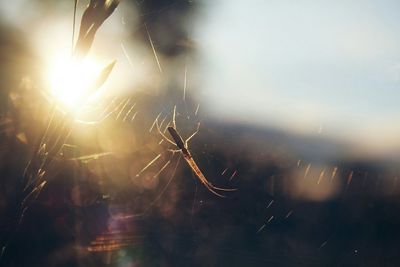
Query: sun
{"points": [[70, 81]]}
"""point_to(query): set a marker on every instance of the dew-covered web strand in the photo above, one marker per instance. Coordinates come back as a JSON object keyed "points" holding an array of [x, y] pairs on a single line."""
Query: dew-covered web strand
{"points": [[154, 49], [126, 102], [127, 55], [129, 112], [163, 190], [162, 169], [148, 165]]}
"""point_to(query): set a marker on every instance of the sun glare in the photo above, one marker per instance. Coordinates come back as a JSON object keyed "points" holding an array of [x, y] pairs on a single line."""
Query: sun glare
{"points": [[70, 81]]}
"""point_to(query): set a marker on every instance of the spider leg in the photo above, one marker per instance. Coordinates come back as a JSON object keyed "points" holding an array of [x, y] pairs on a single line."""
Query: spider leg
{"points": [[162, 122], [192, 164], [154, 123], [166, 127], [163, 135], [173, 151], [190, 137]]}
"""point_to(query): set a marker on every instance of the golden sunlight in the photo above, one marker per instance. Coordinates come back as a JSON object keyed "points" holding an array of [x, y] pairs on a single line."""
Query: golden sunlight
{"points": [[70, 81]]}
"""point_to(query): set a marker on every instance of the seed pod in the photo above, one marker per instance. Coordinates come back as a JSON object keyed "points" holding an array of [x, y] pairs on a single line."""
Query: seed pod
{"points": [[93, 17]]}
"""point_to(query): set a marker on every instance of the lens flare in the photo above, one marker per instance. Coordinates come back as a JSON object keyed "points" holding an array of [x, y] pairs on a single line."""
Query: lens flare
{"points": [[70, 81]]}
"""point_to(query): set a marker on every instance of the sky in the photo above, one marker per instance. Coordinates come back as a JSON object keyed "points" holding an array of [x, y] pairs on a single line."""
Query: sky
{"points": [[312, 67], [328, 67]]}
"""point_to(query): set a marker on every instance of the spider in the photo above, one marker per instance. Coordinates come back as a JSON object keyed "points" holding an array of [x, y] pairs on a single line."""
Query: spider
{"points": [[184, 150]]}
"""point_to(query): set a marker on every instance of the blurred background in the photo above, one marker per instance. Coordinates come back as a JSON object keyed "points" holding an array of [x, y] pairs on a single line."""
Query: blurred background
{"points": [[298, 105]]}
